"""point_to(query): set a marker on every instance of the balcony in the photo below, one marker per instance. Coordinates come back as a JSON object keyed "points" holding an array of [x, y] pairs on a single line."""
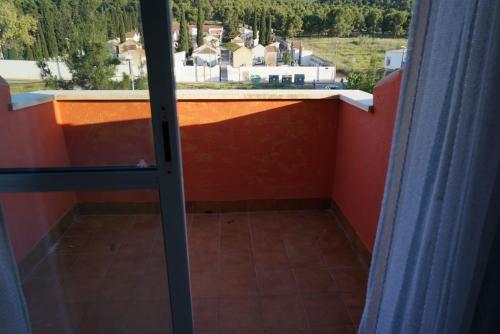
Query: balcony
{"points": [[283, 191]]}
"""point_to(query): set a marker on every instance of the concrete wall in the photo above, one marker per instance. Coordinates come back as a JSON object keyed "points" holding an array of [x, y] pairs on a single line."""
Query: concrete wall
{"points": [[28, 70], [197, 73], [311, 73], [24, 70], [264, 149]]}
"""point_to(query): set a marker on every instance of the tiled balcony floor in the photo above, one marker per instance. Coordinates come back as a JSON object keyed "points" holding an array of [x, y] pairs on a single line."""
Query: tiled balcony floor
{"points": [[273, 272]]}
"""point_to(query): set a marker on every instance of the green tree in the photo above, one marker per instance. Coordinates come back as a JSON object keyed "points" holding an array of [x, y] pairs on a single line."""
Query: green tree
{"points": [[63, 25], [199, 25], [29, 53], [47, 12], [293, 25], [358, 19], [365, 80], [314, 23], [184, 42], [120, 27], [263, 29], [255, 33], [16, 28], [394, 22], [269, 29], [44, 51], [37, 49], [287, 58], [230, 24], [373, 20], [341, 21], [91, 66]]}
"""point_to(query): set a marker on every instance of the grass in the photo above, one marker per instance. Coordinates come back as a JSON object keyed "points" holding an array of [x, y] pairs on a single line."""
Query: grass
{"points": [[238, 85], [350, 54], [25, 87]]}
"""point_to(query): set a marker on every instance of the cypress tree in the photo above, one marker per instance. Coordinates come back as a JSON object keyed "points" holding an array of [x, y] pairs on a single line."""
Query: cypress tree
{"points": [[199, 25], [12, 54], [37, 49], [43, 47], [48, 25], [52, 47], [231, 25], [269, 38], [262, 30], [183, 43], [255, 34], [29, 53], [121, 27]]}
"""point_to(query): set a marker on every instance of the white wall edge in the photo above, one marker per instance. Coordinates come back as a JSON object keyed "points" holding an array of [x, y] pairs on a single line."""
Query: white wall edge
{"points": [[357, 98]]}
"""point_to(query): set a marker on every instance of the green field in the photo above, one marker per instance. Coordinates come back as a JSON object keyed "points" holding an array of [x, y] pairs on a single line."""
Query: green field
{"points": [[24, 87], [350, 54], [18, 88], [239, 85]]}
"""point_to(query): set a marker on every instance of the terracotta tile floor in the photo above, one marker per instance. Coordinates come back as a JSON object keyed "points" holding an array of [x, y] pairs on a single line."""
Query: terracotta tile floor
{"points": [[273, 272]]}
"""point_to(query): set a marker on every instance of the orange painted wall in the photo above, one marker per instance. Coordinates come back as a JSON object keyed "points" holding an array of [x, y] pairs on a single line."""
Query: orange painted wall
{"points": [[363, 149], [232, 150], [31, 138]]}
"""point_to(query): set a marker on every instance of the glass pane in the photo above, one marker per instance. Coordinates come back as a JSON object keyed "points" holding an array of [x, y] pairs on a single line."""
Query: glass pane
{"points": [[82, 51], [90, 262]]}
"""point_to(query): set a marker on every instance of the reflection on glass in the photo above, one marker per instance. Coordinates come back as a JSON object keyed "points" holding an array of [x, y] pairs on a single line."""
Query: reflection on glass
{"points": [[90, 262]]}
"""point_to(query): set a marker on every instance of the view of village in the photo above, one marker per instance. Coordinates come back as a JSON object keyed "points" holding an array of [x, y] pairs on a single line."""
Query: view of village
{"points": [[230, 44]]}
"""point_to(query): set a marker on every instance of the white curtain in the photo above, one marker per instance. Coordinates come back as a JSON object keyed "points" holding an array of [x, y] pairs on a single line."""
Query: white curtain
{"points": [[442, 199], [13, 312]]}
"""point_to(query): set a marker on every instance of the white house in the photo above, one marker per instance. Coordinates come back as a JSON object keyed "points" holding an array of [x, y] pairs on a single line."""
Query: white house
{"points": [[242, 57], [206, 55], [258, 54], [137, 57], [395, 59], [133, 36]]}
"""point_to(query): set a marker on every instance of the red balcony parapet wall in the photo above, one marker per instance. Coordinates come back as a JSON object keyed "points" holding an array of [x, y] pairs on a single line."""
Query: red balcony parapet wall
{"points": [[248, 146], [31, 138], [363, 147]]}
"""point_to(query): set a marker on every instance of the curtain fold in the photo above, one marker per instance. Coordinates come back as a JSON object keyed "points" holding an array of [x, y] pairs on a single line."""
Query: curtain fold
{"points": [[13, 313], [440, 209]]}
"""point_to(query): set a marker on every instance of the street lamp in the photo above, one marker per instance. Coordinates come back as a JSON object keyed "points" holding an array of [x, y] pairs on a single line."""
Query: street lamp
{"points": [[129, 58], [403, 56]]}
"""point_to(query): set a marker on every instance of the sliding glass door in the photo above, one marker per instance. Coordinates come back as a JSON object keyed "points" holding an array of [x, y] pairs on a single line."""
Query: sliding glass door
{"points": [[91, 197]]}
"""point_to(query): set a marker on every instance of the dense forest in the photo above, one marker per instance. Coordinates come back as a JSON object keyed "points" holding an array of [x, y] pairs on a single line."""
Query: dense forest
{"points": [[42, 29]]}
